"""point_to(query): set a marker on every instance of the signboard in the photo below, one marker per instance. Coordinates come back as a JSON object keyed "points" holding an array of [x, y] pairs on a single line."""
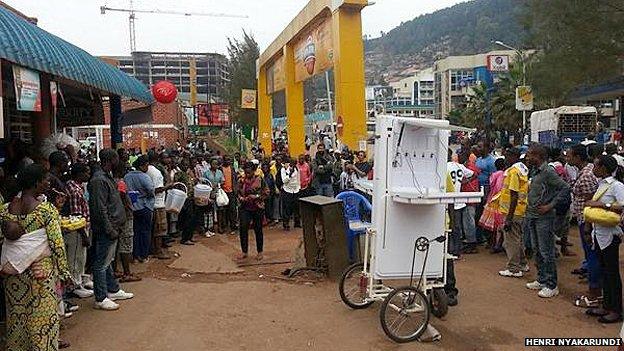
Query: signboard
{"points": [[248, 99], [313, 51], [77, 108], [214, 115], [498, 63], [276, 79], [27, 89], [524, 98]]}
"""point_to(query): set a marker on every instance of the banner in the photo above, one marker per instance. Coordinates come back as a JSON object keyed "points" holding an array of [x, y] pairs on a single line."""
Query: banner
{"points": [[498, 63], [27, 89], [248, 99], [524, 98], [215, 115], [276, 79], [314, 53]]}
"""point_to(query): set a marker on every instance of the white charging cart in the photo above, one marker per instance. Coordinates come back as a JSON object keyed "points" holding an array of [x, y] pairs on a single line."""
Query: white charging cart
{"points": [[408, 237]]}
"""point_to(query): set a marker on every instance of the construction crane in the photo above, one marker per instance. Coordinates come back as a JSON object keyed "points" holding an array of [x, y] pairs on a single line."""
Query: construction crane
{"points": [[132, 16]]}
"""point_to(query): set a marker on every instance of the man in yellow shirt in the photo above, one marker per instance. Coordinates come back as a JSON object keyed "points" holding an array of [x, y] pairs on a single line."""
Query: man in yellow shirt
{"points": [[513, 203]]}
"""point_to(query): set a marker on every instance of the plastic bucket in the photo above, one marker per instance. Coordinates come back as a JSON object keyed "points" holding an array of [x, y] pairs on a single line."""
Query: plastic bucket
{"points": [[134, 196], [201, 193], [175, 199]]}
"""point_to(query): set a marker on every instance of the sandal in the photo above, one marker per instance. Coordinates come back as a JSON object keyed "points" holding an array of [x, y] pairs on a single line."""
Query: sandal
{"points": [[586, 301], [611, 317], [241, 257], [597, 312], [130, 278], [62, 344]]}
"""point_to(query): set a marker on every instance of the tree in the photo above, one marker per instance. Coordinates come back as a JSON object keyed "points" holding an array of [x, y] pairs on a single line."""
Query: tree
{"points": [[477, 106], [578, 42], [242, 54]]}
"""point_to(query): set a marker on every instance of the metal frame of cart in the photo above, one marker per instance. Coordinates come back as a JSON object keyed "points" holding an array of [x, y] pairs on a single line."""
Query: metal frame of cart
{"points": [[424, 298]]}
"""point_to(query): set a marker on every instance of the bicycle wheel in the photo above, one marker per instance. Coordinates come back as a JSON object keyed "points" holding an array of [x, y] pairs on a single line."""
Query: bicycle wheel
{"points": [[352, 287], [438, 301], [404, 314]]}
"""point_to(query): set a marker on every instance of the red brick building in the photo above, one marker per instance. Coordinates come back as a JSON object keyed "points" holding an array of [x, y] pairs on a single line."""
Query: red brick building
{"points": [[168, 125]]}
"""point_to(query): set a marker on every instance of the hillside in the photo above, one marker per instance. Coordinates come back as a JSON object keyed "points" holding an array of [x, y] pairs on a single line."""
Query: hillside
{"points": [[466, 28]]}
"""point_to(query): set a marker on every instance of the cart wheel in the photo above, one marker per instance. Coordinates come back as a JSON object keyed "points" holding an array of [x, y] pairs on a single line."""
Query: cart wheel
{"points": [[353, 286], [438, 301], [404, 314]]}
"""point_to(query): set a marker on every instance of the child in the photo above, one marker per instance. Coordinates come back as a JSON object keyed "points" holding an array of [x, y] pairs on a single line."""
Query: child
{"points": [[348, 177]]}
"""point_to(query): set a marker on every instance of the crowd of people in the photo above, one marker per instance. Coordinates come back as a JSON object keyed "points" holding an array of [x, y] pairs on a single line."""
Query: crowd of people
{"points": [[531, 196], [97, 218], [100, 216]]}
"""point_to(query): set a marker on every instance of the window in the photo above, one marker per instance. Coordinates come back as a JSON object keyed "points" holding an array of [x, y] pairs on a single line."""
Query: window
{"points": [[458, 76]]}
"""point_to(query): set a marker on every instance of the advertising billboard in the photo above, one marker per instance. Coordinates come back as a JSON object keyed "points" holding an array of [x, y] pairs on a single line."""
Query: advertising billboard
{"points": [[314, 53], [213, 115]]}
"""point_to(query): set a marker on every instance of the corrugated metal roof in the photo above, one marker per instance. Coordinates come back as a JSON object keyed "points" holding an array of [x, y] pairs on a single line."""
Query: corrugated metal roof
{"points": [[24, 43]]}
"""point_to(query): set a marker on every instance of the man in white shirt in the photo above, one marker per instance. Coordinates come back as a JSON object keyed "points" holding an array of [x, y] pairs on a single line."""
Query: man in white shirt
{"points": [[290, 190], [459, 174], [159, 230]]}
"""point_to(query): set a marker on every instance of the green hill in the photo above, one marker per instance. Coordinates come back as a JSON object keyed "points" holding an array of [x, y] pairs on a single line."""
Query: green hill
{"points": [[465, 28]]}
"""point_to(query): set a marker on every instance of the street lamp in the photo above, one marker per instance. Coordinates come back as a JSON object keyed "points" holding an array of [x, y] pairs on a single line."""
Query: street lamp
{"points": [[521, 54]]}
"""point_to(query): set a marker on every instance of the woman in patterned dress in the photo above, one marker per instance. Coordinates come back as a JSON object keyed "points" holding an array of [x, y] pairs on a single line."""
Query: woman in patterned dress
{"points": [[31, 299]]}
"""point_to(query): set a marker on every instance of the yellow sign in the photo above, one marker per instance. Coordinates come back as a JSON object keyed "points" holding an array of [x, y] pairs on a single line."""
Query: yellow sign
{"points": [[314, 53], [524, 98], [276, 79], [248, 99]]}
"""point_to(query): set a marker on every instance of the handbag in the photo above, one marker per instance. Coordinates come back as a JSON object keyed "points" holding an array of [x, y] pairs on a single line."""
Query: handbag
{"points": [[222, 198], [601, 216]]}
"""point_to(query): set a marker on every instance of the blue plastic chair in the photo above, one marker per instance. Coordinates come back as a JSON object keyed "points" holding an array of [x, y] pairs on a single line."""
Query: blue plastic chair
{"points": [[353, 203]]}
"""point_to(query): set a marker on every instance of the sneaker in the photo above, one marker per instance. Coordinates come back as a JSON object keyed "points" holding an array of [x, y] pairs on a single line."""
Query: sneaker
{"points": [[526, 268], [88, 285], [546, 292], [534, 285], [67, 314], [70, 307], [209, 234], [106, 305], [83, 293], [508, 273], [120, 295]]}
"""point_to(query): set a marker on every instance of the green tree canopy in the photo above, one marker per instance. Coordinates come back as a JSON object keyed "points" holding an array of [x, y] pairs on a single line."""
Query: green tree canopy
{"points": [[578, 43], [243, 54]]}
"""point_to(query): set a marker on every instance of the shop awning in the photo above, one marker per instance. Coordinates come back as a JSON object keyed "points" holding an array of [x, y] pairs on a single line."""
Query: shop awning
{"points": [[26, 44]]}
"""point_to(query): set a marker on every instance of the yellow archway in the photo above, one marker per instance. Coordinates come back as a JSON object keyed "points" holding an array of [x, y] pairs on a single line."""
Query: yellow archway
{"points": [[325, 34]]}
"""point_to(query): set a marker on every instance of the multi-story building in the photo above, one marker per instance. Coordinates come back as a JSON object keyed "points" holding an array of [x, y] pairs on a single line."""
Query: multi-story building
{"points": [[150, 67], [455, 76], [412, 96]]}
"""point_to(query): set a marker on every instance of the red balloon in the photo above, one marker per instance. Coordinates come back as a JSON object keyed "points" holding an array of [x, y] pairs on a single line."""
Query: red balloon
{"points": [[164, 92]]}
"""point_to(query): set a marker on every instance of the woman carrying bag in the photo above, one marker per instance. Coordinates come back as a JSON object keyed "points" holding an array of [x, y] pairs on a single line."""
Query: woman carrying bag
{"points": [[31, 299], [604, 212]]}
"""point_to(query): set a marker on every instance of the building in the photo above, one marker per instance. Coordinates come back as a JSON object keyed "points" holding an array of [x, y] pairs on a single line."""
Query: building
{"points": [[168, 125], [455, 76], [607, 97], [412, 96], [150, 67], [49, 85]]}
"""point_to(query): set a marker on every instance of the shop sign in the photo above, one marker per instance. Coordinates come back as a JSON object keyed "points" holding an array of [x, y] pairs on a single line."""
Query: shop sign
{"points": [[276, 79]]}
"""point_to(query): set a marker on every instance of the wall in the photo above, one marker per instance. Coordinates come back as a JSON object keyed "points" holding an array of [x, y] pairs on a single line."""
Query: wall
{"points": [[168, 125]]}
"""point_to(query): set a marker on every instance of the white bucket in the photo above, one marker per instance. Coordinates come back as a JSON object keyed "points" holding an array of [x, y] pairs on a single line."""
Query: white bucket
{"points": [[202, 192], [175, 199]]}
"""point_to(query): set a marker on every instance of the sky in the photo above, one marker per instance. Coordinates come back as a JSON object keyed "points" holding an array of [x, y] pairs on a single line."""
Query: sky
{"points": [[81, 23]]}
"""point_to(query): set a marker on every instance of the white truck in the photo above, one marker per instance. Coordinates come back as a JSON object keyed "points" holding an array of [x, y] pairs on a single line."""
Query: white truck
{"points": [[565, 125]]}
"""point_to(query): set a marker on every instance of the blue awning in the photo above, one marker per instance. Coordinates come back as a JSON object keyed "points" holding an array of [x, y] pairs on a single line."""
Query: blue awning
{"points": [[24, 43]]}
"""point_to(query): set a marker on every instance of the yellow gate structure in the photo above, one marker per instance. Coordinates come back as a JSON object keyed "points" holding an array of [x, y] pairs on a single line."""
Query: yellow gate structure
{"points": [[326, 34]]}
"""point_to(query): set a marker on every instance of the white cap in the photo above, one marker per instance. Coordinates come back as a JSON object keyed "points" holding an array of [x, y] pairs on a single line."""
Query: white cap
{"points": [[255, 161]]}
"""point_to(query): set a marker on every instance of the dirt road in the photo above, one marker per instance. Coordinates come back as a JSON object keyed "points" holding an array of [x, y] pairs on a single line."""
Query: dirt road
{"points": [[203, 301]]}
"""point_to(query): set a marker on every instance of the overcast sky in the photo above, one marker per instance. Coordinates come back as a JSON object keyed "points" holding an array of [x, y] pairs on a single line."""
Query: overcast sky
{"points": [[80, 21]]}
